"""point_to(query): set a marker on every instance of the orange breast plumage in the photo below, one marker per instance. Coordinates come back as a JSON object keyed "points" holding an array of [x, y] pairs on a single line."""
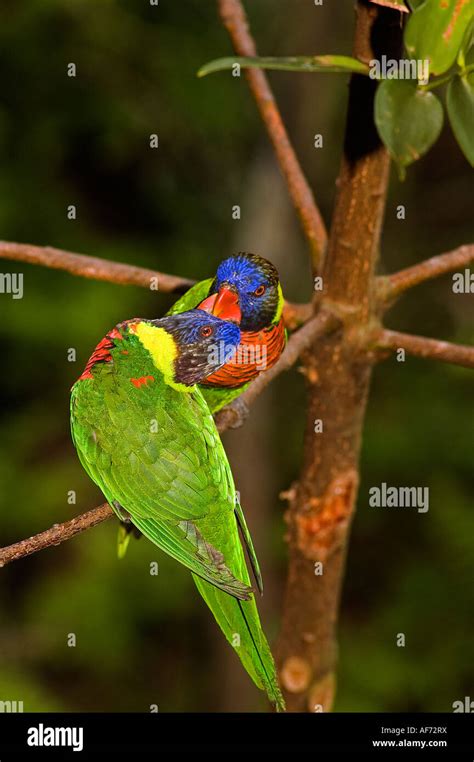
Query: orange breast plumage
{"points": [[257, 351]]}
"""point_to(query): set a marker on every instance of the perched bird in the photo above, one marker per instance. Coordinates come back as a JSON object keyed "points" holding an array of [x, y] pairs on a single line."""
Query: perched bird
{"points": [[145, 436], [246, 290]]}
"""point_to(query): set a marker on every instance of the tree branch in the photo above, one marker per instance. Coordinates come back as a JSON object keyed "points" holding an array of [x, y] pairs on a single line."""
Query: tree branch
{"points": [[57, 534], [228, 417], [93, 267], [234, 19], [421, 346], [391, 286]]}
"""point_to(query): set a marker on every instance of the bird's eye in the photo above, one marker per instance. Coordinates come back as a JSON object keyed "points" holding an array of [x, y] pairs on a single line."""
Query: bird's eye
{"points": [[260, 290], [206, 331]]}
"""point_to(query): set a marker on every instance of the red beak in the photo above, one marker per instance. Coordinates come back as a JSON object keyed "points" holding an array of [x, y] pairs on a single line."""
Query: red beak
{"points": [[224, 305]]}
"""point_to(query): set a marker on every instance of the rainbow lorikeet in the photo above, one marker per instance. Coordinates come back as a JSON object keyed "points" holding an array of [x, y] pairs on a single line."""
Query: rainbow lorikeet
{"points": [[145, 436], [246, 290]]}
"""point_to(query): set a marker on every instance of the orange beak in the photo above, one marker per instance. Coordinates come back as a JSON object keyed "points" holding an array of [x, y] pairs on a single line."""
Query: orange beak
{"points": [[224, 305]]}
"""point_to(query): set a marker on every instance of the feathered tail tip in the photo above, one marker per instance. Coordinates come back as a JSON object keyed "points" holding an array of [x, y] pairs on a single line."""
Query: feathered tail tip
{"points": [[123, 539], [266, 676], [125, 532]]}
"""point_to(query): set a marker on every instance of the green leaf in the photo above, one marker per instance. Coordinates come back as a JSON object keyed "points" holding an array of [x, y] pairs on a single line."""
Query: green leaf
{"points": [[294, 63], [466, 51], [460, 106], [435, 31], [408, 120]]}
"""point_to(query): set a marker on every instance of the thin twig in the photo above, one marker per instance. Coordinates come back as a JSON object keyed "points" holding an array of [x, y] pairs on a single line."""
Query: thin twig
{"points": [[392, 286], [94, 267], [57, 534], [421, 346], [233, 17], [225, 419]]}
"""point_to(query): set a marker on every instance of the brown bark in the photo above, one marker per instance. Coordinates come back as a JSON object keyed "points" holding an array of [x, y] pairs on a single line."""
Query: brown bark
{"points": [[93, 267], [338, 371], [57, 534], [422, 346], [392, 286]]}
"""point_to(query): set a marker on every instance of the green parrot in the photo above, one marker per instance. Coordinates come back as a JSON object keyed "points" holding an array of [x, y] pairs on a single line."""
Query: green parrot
{"points": [[145, 436], [246, 290]]}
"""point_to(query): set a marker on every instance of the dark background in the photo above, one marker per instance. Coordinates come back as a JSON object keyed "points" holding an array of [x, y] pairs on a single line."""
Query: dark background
{"points": [[145, 640]]}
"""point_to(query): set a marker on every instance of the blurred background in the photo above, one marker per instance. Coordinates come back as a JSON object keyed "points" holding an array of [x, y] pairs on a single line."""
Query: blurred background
{"points": [[141, 639]]}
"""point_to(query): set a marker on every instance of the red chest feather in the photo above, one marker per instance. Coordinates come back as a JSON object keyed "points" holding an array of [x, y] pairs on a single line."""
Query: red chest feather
{"points": [[257, 351]]}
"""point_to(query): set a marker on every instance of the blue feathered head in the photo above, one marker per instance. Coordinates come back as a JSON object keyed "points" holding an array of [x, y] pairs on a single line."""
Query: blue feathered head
{"points": [[246, 290]]}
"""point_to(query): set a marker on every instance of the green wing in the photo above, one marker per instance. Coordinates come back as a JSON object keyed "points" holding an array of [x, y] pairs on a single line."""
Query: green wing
{"points": [[160, 458], [218, 397], [194, 296]]}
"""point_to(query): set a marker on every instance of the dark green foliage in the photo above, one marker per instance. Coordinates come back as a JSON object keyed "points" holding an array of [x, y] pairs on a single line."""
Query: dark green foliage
{"points": [[460, 105], [408, 119]]}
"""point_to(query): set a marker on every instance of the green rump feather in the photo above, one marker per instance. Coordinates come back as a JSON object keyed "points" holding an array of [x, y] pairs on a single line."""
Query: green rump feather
{"points": [[155, 453]]}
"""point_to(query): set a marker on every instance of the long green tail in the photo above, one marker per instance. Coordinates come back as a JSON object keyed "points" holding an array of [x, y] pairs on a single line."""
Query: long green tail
{"points": [[240, 623]]}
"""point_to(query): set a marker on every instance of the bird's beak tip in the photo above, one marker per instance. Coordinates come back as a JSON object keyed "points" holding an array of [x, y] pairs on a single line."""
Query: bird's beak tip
{"points": [[224, 305], [208, 304]]}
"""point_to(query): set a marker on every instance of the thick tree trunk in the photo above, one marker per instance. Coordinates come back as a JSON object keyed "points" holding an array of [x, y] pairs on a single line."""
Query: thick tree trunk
{"points": [[338, 373]]}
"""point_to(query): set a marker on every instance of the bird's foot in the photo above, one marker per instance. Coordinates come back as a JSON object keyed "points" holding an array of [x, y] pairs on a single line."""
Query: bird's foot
{"points": [[126, 520], [123, 514]]}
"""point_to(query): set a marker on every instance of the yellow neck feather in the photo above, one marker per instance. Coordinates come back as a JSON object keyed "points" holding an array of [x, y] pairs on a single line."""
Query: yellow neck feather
{"points": [[281, 302], [163, 351]]}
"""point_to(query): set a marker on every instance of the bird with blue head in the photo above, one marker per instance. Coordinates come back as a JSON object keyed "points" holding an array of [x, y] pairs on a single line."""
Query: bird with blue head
{"points": [[246, 290]]}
